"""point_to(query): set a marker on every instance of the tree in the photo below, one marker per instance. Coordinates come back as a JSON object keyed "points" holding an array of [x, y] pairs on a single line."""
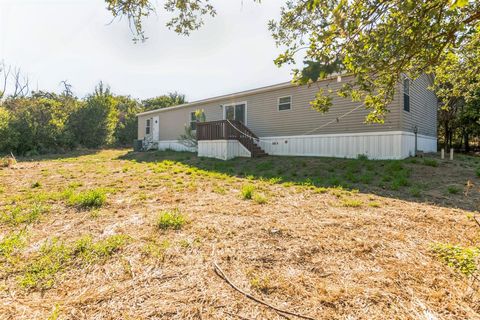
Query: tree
{"points": [[164, 101], [8, 136], [93, 124], [376, 41], [127, 124]]}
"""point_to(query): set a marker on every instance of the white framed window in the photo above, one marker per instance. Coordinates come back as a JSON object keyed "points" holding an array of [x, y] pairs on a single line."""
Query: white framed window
{"points": [[193, 121], [148, 126], [285, 103], [236, 111]]}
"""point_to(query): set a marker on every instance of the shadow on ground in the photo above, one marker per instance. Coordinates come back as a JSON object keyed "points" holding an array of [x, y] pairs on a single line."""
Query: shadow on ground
{"points": [[445, 183]]}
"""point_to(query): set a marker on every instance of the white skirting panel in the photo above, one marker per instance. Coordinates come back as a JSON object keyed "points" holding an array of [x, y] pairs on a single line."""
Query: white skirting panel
{"points": [[375, 145], [222, 149], [424, 143], [174, 145]]}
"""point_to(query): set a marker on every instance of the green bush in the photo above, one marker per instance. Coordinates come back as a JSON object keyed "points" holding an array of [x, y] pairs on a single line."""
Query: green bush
{"points": [[171, 220], [88, 199], [259, 198], [247, 191]]}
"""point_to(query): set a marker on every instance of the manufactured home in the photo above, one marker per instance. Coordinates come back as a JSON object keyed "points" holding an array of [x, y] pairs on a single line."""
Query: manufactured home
{"points": [[278, 120]]}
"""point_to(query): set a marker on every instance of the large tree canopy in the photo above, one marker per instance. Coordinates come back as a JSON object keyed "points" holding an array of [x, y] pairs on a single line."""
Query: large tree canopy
{"points": [[376, 41]]}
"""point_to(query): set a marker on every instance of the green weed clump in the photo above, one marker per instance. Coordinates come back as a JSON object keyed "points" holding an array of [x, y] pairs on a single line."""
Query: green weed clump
{"points": [[453, 189], [15, 215], [12, 242], [259, 198], [171, 220], [462, 259], [88, 199], [247, 191], [352, 203], [430, 162], [55, 256]]}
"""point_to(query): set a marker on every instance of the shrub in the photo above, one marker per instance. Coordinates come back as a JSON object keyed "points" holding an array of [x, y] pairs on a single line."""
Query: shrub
{"points": [[430, 162], [247, 191], [460, 258], [171, 220], [88, 199]]}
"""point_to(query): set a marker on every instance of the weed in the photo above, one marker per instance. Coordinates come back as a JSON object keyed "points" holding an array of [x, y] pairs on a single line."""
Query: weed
{"points": [[352, 203], [156, 250], [55, 256], [374, 204], [22, 214], [171, 220], [35, 185], [259, 198], [10, 243], [460, 258], [415, 191], [453, 189], [362, 157], [247, 191], [261, 284], [430, 162], [88, 199]]}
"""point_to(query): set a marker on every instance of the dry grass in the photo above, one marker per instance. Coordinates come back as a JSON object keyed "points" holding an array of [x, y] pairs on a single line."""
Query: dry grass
{"points": [[328, 253]]}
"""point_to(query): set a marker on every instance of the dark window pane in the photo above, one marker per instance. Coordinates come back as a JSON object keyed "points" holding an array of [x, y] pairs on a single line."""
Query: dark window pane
{"points": [[193, 125], [285, 100], [229, 113], [193, 117], [406, 102], [284, 106], [240, 112]]}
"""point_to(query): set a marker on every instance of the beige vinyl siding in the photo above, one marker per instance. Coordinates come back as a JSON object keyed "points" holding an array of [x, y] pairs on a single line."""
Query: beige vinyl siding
{"points": [[423, 107], [265, 120]]}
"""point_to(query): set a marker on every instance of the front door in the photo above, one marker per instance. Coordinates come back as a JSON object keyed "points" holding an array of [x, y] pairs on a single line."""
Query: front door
{"points": [[236, 112]]}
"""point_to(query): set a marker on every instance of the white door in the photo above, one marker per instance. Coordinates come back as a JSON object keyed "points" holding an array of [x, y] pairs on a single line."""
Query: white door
{"points": [[156, 128]]}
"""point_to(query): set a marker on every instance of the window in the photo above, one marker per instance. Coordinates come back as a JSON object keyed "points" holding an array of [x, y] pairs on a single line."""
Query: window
{"points": [[148, 126], [193, 121], [284, 103], [236, 112], [406, 94]]}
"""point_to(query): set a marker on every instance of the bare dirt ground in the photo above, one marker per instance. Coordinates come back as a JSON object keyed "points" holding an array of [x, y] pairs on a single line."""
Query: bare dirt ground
{"points": [[322, 252]]}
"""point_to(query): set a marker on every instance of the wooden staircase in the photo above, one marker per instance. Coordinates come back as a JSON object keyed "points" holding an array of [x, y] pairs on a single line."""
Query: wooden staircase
{"points": [[230, 130]]}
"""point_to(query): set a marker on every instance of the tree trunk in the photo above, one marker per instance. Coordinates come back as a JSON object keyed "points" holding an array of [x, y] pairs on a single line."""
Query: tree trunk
{"points": [[467, 142]]}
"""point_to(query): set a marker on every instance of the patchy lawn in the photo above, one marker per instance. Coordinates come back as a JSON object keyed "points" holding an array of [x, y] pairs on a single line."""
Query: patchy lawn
{"points": [[120, 235]]}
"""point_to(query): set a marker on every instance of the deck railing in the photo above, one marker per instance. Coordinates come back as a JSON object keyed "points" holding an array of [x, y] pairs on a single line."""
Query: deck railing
{"points": [[226, 130]]}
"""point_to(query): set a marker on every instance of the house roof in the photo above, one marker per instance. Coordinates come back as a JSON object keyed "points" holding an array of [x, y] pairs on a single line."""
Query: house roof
{"points": [[222, 97], [236, 94]]}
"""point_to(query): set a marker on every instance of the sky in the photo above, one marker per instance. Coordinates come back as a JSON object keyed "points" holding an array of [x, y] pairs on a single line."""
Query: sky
{"points": [[73, 40]]}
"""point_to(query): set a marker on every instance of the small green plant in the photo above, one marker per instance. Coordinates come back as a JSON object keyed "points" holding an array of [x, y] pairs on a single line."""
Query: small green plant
{"points": [[247, 191], [430, 162], [415, 191], [362, 157], [12, 242], [171, 220], [453, 189], [55, 256], [463, 259], [374, 204], [35, 185], [156, 249], [352, 203], [22, 214], [88, 199], [259, 198]]}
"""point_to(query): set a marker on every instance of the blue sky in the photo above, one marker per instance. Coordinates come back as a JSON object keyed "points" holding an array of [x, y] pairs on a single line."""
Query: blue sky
{"points": [[55, 40]]}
